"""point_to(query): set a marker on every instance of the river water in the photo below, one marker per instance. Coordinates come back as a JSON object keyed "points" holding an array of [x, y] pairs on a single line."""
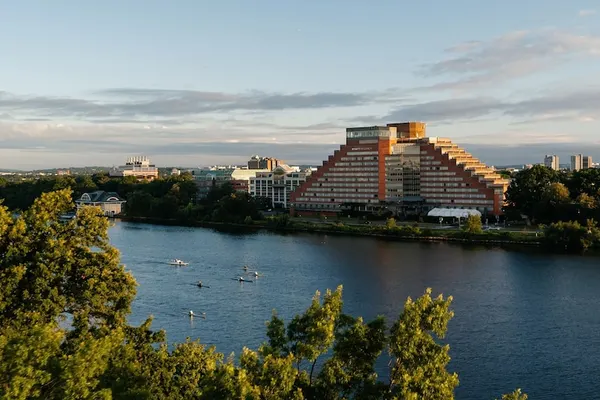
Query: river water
{"points": [[522, 319]]}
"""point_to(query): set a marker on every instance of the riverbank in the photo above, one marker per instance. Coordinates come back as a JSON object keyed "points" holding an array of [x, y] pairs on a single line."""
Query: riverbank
{"points": [[401, 233]]}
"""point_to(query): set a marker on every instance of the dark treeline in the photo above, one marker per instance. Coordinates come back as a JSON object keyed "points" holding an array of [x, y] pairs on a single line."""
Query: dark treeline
{"points": [[566, 203], [174, 197], [542, 195]]}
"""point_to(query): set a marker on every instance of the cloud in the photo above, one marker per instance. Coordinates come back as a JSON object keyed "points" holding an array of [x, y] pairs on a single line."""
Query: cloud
{"points": [[586, 13], [169, 107], [511, 56], [446, 110], [576, 105]]}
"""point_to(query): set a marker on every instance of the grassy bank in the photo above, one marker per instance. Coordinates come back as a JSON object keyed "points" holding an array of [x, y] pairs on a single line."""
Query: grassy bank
{"points": [[404, 233]]}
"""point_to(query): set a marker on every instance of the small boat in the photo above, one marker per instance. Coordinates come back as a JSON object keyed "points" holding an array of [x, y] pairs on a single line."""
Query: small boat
{"points": [[178, 262]]}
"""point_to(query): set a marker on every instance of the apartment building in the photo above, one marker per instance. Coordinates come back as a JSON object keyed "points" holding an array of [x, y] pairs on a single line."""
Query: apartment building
{"points": [[587, 162], [552, 162], [398, 164]]}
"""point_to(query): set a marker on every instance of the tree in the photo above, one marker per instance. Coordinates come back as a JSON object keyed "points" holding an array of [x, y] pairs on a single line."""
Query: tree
{"points": [[584, 181], [473, 225], [48, 270], [419, 361], [516, 395], [527, 189], [586, 201], [556, 193]]}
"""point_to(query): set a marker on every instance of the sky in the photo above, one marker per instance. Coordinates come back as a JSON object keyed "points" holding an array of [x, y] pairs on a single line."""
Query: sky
{"points": [[200, 82]]}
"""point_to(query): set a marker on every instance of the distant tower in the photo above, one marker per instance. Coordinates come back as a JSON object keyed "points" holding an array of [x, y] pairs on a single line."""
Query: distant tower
{"points": [[551, 161], [576, 162]]}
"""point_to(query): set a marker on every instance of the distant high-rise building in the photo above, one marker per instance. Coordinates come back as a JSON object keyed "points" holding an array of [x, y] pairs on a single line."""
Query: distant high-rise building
{"points": [[551, 161], [258, 162], [587, 162], [576, 162]]}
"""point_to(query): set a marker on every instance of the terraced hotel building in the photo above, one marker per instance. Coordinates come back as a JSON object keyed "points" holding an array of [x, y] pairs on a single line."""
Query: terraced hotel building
{"points": [[397, 164]]}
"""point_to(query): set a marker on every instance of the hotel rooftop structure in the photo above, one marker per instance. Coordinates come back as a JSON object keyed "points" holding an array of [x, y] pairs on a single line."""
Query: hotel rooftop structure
{"points": [[398, 164]]}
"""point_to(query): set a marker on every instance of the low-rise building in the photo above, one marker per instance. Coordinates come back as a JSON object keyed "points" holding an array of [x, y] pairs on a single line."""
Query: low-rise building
{"points": [[138, 167], [109, 202], [238, 177], [277, 185]]}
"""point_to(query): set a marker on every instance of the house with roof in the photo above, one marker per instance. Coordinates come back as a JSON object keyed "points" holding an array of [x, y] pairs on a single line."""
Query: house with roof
{"points": [[109, 202]]}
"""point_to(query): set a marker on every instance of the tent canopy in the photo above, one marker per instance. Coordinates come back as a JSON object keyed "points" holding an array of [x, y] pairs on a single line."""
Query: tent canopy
{"points": [[453, 212]]}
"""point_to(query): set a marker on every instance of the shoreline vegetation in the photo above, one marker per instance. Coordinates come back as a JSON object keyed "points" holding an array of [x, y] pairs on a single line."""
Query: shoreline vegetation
{"points": [[409, 233]]}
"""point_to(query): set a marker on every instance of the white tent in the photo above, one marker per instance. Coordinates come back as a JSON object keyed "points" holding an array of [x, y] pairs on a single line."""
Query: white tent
{"points": [[453, 212]]}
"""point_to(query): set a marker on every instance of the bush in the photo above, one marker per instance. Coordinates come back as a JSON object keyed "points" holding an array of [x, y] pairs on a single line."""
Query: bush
{"points": [[572, 236], [391, 223]]}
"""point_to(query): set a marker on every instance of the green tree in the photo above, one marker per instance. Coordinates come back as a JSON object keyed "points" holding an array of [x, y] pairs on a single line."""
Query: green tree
{"points": [[586, 201], [48, 270], [516, 395], [472, 224], [584, 181], [419, 362], [556, 193], [527, 190]]}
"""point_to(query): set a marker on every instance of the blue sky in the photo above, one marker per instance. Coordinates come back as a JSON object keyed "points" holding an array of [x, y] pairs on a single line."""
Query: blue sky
{"points": [[200, 82]]}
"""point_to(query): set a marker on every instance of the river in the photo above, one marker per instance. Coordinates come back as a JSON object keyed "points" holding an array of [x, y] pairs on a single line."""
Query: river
{"points": [[522, 319]]}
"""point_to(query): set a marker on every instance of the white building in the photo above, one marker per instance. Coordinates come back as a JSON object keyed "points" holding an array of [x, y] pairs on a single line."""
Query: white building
{"points": [[551, 161], [277, 185], [139, 167], [109, 202]]}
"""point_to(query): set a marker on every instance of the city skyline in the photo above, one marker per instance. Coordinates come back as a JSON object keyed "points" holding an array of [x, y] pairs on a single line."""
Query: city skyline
{"points": [[201, 84]]}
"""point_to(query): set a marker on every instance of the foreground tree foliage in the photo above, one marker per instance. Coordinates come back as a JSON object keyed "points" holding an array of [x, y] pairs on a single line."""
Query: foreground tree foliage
{"points": [[64, 299]]}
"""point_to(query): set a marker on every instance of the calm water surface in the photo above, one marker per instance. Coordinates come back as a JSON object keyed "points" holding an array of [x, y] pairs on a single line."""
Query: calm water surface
{"points": [[528, 320]]}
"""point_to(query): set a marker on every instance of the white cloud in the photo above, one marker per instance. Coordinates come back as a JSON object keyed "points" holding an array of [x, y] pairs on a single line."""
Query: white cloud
{"points": [[586, 13], [507, 57]]}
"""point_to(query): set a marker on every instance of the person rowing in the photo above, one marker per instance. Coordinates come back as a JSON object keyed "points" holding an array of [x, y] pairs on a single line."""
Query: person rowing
{"points": [[192, 315], [245, 268], [256, 274], [199, 284]]}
